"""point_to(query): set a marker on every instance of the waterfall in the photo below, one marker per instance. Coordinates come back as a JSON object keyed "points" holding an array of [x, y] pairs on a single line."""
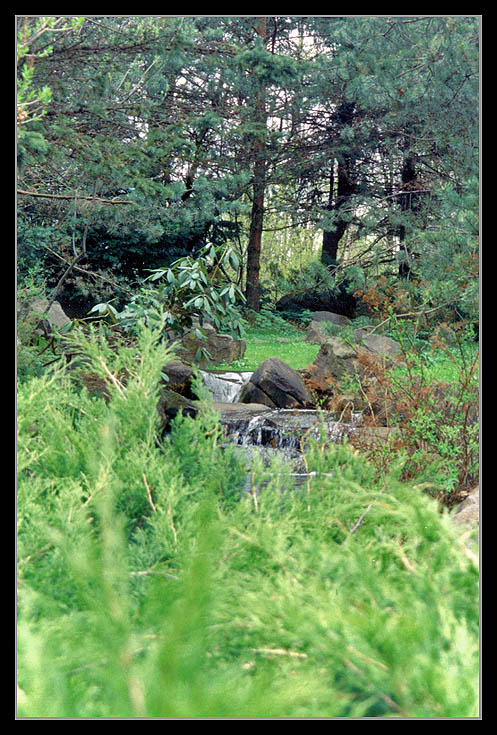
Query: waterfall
{"points": [[224, 387], [268, 433]]}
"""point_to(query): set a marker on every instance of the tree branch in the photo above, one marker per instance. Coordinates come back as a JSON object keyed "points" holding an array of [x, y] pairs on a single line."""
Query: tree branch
{"points": [[68, 270], [20, 192]]}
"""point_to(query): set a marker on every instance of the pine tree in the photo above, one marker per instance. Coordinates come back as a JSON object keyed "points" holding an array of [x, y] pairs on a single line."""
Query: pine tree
{"points": [[156, 134]]}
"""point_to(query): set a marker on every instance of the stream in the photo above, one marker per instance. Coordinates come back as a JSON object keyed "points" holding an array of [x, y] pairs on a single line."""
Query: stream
{"points": [[268, 432]]}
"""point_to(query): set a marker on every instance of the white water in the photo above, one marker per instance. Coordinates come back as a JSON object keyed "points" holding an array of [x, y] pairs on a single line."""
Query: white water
{"points": [[225, 387], [276, 432], [278, 427]]}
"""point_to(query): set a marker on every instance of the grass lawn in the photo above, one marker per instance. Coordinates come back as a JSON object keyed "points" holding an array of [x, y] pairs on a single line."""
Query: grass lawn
{"points": [[445, 366], [286, 341]]}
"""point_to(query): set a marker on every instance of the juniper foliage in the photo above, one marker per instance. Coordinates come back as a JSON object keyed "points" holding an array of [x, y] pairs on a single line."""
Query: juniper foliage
{"points": [[151, 584]]}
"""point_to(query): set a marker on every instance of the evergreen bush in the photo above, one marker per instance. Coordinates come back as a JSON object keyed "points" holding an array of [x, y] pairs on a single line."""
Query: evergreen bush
{"points": [[152, 584]]}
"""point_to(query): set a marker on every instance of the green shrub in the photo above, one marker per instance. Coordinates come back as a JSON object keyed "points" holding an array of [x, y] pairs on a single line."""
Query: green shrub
{"points": [[438, 387], [152, 585], [184, 295]]}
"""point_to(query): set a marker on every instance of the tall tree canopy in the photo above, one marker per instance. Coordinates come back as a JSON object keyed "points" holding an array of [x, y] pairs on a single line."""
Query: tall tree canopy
{"points": [[142, 138]]}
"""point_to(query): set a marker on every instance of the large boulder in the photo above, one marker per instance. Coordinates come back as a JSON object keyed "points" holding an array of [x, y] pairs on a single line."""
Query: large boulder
{"points": [[239, 415], [337, 300], [171, 404], [49, 319], [379, 344], [468, 512], [330, 316], [277, 385], [224, 386], [315, 334], [319, 330], [335, 360], [340, 360], [218, 347], [370, 438], [322, 328], [177, 376]]}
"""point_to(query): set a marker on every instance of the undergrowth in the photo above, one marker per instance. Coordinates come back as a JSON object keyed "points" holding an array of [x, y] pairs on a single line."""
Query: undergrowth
{"points": [[431, 395], [151, 584]]}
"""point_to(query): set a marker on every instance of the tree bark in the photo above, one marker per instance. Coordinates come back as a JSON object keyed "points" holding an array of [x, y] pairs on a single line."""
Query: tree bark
{"points": [[408, 202], [255, 236], [252, 291], [345, 187]]}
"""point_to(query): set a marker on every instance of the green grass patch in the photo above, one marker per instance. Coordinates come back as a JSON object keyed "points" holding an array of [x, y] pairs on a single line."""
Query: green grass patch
{"points": [[447, 365], [274, 338], [260, 346]]}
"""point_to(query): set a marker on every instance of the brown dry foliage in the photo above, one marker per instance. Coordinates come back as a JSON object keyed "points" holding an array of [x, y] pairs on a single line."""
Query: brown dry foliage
{"points": [[398, 402]]}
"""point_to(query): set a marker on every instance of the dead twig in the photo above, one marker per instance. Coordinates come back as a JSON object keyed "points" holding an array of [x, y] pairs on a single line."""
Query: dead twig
{"points": [[149, 493], [278, 652], [360, 520]]}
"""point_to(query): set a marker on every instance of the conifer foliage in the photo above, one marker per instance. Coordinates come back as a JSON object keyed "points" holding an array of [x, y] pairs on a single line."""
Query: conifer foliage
{"points": [[145, 137], [152, 584]]}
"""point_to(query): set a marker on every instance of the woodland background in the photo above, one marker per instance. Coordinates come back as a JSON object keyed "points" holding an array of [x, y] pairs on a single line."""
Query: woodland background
{"points": [[348, 142]]}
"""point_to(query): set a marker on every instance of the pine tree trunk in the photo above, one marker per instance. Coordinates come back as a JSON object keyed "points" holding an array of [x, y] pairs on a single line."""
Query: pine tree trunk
{"points": [[330, 242], [346, 186], [252, 293], [331, 238], [407, 203], [255, 236]]}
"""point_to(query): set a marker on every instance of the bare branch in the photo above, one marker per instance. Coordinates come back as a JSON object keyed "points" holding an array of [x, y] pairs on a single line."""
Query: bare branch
{"points": [[20, 192]]}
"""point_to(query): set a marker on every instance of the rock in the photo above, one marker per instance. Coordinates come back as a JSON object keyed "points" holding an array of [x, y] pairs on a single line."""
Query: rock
{"points": [[169, 399], [345, 404], [337, 301], [235, 413], [317, 332], [468, 512], [335, 360], [377, 343], [253, 425], [330, 316], [171, 404], [314, 334], [251, 393], [54, 318], [220, 347], [366, 438], [277, 385], [339, 358], [95, 384], [178, 377], [338, 349], [224, 387]]}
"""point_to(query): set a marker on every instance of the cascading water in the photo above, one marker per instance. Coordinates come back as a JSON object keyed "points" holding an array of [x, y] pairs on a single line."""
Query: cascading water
{"points": [[225, 387], [286, 428], [269, 432]]}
